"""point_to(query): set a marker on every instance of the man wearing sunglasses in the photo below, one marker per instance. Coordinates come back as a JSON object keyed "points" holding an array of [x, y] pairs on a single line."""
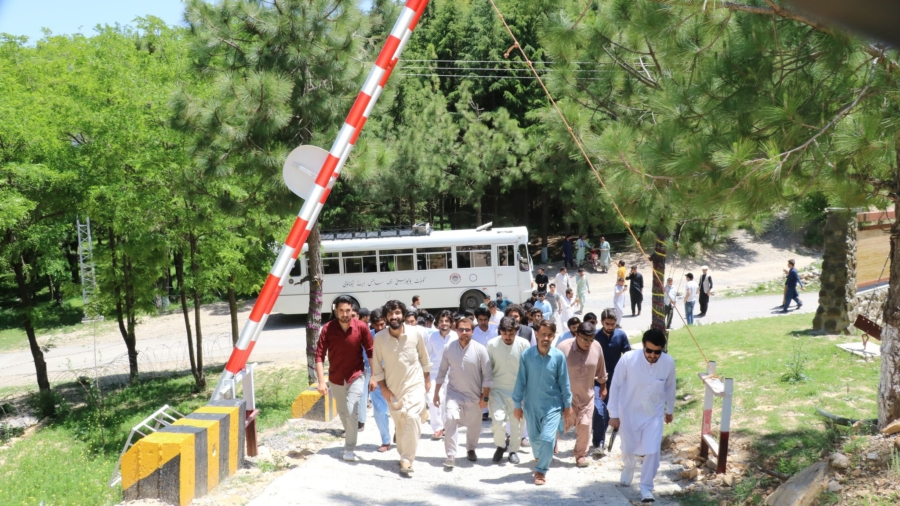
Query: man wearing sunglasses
{"points": [[641, 396], [584, 360]]}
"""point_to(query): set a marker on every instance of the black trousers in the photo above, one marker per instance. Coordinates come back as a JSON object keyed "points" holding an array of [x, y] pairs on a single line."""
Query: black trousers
{"points": [[636, 299], [669, 313], [704, 302]]}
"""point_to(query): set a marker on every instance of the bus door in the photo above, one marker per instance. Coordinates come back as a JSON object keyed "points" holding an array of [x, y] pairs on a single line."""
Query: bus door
{"points": [[523, 261], [507, 271]]}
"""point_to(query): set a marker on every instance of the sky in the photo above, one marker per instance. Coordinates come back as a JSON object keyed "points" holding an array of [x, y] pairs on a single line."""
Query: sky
{"points": [[29, 17]]}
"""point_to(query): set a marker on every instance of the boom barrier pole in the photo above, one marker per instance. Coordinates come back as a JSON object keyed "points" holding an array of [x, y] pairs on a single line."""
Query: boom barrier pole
{"points": [[313, 204]]}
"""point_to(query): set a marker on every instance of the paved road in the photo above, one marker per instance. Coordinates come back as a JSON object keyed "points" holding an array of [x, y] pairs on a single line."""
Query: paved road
{"points": [[375, 478], [284, 339]]}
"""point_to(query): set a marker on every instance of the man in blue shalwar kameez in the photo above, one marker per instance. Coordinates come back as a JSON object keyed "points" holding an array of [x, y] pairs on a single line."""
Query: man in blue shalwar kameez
{"points": [[543, 387]]}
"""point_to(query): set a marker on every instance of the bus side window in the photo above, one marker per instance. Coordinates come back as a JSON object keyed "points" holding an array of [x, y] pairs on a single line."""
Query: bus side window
{"points": [[523, 259], [331, 263], [397, 260], [295, 270], [434, 258], [506, 256], [473, 256]]}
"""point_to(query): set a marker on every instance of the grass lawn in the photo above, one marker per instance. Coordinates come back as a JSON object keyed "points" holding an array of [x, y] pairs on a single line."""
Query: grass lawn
{"points": [[48, 317], [70, 461], [782, 373]]}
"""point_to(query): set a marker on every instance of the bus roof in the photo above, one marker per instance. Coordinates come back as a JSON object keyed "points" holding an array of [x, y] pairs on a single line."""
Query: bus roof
{"points": [[437, 238]]}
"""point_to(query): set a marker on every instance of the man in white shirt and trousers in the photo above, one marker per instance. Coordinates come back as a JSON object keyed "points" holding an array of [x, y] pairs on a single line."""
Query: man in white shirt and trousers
{"points": [[641, 397], [466, 369], [435, 345]]}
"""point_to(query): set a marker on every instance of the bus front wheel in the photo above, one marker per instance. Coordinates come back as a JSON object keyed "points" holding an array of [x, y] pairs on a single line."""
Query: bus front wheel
{"points": [[471, 300]]}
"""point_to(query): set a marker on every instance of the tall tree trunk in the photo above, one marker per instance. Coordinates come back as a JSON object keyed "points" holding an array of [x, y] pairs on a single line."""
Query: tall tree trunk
{"points": [[233, 309], [545, 224], [182, 293], [441, 215], [479, 218], [25, 305], [412, 212], [314, 318], [659, 278], [199, 375], [889, 387], [126, 328], [130, 317]]}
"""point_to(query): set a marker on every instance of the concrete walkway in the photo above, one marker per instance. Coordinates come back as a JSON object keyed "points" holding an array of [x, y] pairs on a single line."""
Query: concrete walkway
{"points": [[375, 478]]}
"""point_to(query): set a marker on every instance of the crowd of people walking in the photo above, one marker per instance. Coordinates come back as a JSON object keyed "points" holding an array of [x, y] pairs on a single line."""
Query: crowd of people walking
{"points": [[529, 381]]}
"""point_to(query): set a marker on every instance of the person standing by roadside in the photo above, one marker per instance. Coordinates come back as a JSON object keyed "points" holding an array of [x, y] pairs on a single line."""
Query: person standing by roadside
{"points": [[543, 397], [541, 281], [691, 294], [584, 288], [604, 255], [706, 285], [568, 260], [562, 280], [584, 360], [619, 299], [416, 302], [343, 340], [641, 397], [636, 290], [505, 353], [614, 343], [435, 345], [404, 378], [790, 287], [466, 363], [671, 294], [582, 245], [621, 272]]}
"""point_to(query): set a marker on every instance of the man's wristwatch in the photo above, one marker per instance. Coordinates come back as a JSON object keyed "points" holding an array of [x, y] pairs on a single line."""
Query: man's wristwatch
{"points": [[485, 399]]}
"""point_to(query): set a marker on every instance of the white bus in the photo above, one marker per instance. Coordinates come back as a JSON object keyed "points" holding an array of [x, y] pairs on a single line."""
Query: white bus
{"points": [[452, 268]]}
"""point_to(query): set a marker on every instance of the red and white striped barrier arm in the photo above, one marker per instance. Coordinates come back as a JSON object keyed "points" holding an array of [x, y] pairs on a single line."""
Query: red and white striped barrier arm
{"points": [[313, 204]]}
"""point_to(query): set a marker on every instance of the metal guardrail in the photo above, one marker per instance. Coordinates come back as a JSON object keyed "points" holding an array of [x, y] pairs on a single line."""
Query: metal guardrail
{"points": [[417, 230]]}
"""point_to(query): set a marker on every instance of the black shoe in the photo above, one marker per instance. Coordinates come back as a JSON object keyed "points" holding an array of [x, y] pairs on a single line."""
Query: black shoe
{"points": [[485, 417], [498, 455], [799, 306], [783, 311], [701, 315], [513, 458], [471, 455], [362, 426]]}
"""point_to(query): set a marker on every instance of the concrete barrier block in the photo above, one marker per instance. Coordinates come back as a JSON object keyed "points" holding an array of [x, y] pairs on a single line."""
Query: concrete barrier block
{"points": [[314, 406], [186, 460]]}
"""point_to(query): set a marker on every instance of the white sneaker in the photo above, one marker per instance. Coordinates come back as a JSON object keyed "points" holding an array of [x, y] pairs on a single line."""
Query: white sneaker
{"points": [[450, 462], [627, 475], [349, 457], [647, 496]]}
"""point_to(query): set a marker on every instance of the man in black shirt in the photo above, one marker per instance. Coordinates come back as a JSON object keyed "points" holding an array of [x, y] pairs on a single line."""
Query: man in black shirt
{"points": [[636, 290], [541, 281]]}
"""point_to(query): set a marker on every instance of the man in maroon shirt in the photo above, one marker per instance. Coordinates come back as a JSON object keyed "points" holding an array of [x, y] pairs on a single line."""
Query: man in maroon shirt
{"points": [[342, 339]]}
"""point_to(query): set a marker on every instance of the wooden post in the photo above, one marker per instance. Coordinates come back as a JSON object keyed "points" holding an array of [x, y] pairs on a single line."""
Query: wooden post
{"points": [[706, 426]]}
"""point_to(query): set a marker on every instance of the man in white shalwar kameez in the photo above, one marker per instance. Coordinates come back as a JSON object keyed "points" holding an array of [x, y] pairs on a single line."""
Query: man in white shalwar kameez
{"points": [[641, 397], [435, 345], [505, 353], [400, 365]]}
